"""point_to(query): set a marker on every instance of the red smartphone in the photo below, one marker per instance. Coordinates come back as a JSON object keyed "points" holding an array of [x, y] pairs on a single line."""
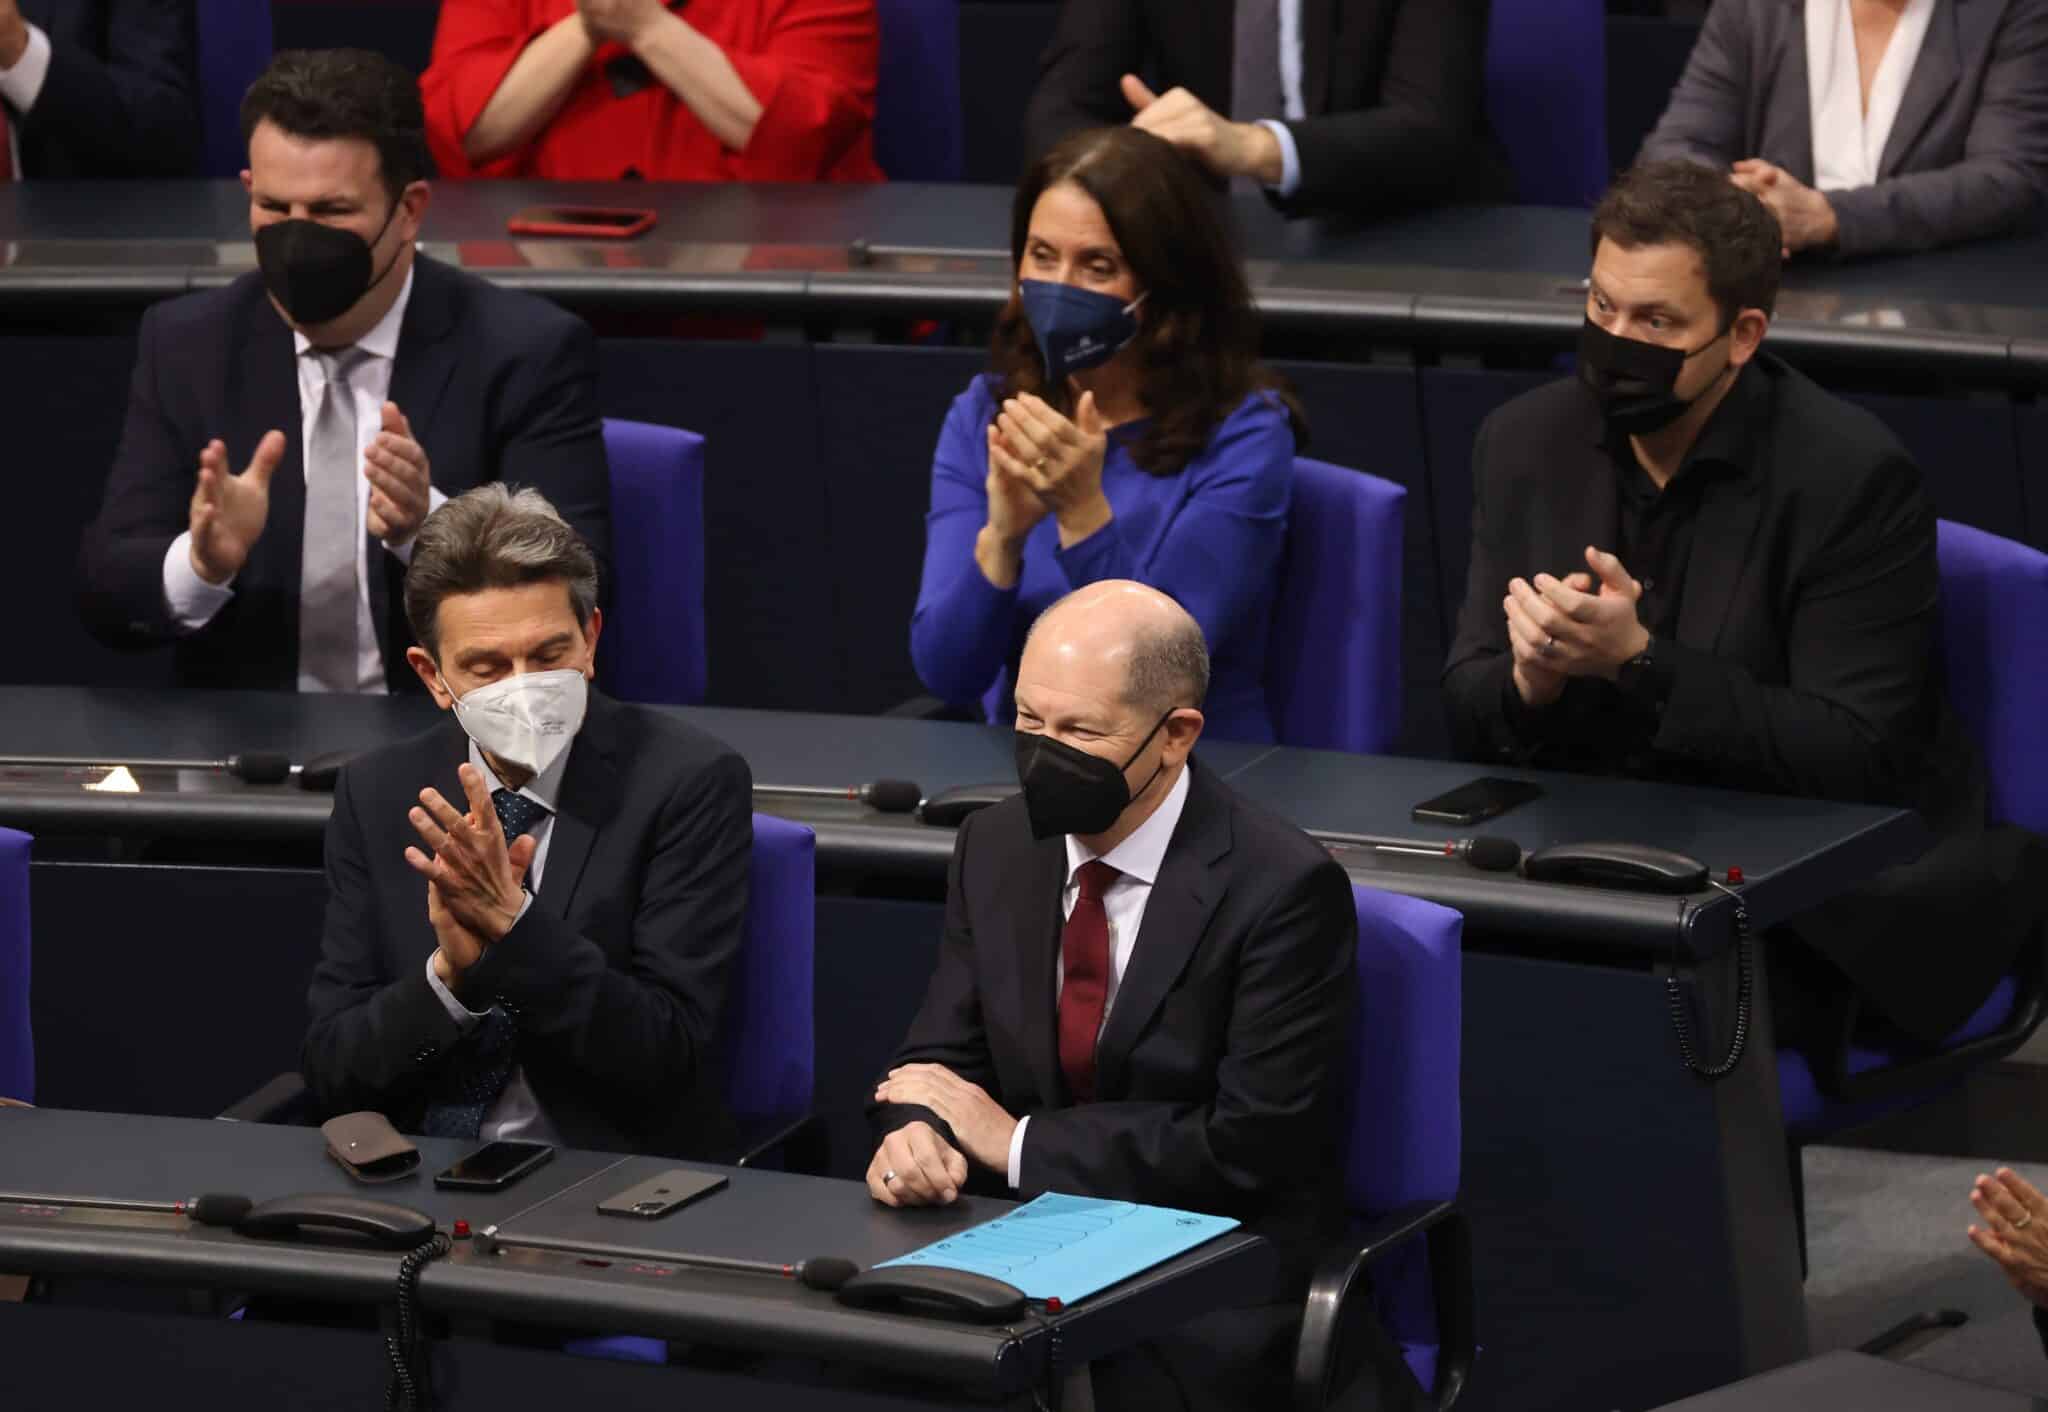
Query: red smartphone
{"points": [[583, 222]]}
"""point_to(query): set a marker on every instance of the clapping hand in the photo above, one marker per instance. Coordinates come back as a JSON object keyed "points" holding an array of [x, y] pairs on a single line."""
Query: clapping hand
{"points": [[228, 512], [478, 879], [2012, 1210], [401, 479], [625, 21], [1562, 628], [1057, 459]]}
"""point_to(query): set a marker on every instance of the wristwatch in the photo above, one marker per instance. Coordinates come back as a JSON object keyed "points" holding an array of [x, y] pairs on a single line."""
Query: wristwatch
{"points": [[1633, 673]]}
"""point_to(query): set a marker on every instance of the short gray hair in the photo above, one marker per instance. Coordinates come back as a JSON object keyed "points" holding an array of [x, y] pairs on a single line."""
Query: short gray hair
{"points": [[494, 537], [1169, 667]]}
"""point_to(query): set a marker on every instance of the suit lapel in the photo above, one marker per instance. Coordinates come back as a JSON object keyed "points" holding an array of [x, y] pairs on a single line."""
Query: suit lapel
{"points": [[266, 401], [1318, 40], [1934, 74], [419, 376], [1787, 93], [1176, 918], [1721, 537], [1028, 908], [591, 789]]}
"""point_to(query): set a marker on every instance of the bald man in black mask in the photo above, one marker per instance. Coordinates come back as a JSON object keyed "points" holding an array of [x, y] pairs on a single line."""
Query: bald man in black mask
{"points": [[1692, 564]]}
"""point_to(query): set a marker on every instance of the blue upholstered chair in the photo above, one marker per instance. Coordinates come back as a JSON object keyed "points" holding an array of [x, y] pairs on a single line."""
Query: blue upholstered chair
{"points": [[1401, 1155], [17, 1044], [653, 644], [1994, 658], [1546, 95], [234, 47], [919, 133], [1333, 664], [768, 1046]]}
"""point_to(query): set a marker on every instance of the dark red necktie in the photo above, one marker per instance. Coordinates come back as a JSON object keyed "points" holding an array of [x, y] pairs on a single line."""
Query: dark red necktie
{"points": [[1084, 991], [6, 155]]}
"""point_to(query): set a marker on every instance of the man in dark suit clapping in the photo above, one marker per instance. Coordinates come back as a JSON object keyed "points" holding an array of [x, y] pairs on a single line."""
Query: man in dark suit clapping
{"points": [[1144, 986], [286, 435], [549, 959]]}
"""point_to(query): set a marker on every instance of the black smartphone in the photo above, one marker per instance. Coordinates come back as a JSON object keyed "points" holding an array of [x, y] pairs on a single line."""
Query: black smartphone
{"points": [[657, 1196], [1479, 799], [495, 1166]]}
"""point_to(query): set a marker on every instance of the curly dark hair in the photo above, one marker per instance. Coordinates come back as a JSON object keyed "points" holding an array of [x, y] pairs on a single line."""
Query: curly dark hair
{"points": [[1198, 342], [1679, 202], [320, 93]]}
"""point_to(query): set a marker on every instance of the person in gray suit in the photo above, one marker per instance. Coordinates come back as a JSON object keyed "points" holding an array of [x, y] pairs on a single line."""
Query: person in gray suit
{"points": [[1871, 126]]}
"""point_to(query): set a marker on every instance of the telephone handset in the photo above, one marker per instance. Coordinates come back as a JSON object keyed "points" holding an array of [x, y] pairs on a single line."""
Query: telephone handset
{"points": [[384, 1222], [934, 1289], [1632, 866]]}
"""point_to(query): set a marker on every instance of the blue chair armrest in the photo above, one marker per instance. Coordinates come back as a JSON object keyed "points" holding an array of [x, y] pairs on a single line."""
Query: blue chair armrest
{"points": [[1326, 1335], [283, 1100]]}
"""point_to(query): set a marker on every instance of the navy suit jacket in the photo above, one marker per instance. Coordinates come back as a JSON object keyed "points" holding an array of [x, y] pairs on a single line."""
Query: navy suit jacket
{"points": [[498, 386], [122, 95], [617, 973]]}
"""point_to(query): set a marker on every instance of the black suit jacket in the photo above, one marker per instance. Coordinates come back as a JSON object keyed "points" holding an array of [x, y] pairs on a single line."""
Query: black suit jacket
{"points": [[497, 386], [1395, 90], [122, 95], [1804, 661], [617, 971], [1216, 1073]]}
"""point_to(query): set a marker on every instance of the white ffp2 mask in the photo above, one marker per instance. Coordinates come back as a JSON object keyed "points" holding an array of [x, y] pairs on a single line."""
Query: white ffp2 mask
{"points": [[527, 720]]}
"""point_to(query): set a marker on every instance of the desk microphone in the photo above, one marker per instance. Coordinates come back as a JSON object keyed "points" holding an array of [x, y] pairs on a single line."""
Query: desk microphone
{"points": [[252, 767], [823, 1272], [213, 1209], [887, 796], [1489, 855]]}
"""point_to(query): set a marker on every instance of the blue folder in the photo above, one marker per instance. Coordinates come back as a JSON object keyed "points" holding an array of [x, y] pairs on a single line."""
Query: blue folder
{"points": [[1068, 1247]]}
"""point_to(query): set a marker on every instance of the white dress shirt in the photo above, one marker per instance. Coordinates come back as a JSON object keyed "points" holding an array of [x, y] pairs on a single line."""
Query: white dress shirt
{"points": [[1290, 89], [1848, 139], [516, 1113], [21, 85], [194, 602], [1137, 860]]}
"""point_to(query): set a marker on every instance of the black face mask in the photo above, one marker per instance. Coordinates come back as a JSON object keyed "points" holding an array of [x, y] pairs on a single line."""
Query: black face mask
{"points": [[1070, 791], [317, 272], [1633, 381]]}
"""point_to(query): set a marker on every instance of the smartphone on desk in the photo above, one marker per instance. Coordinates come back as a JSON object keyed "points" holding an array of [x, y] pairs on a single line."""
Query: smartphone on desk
{"points": [[1472, 802], [659, 1195], [495, 1166], [583, 222]]}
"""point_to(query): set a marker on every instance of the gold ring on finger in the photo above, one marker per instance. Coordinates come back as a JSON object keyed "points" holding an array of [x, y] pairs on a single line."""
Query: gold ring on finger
{"points": [[2023, 1222]]}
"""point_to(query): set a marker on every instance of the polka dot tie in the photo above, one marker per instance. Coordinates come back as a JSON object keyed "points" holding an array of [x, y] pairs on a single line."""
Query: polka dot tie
{"points": [[477, 1070]]}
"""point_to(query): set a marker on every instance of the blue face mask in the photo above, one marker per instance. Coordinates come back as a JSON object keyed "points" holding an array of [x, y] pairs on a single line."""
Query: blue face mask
{"points": [[1077, 329]]}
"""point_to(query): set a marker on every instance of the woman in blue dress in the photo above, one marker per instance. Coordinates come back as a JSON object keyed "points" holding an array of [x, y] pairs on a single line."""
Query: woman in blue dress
{"points": [[1125, 430]]}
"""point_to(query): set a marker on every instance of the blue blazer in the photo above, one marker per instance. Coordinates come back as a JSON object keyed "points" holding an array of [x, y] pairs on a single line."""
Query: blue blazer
{"points": [[122, 95], [1211, 536]]}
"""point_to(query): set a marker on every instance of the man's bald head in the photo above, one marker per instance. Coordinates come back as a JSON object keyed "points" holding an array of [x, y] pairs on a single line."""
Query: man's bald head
{"points": [[1150, 642]]}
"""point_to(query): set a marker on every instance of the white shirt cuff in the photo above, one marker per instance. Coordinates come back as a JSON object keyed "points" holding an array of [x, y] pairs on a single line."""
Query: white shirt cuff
{"points": [[1016, 1172], [435, 500], [1290, 157], [23, 84], [458, 1012], [192, 600]]}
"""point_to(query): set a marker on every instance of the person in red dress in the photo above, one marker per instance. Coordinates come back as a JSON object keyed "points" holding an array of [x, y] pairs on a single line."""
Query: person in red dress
{"points": [[708, 90]]}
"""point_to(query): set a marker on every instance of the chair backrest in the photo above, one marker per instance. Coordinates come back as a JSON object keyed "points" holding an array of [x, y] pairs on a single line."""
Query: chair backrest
{"points": [[1546, 96], [918, 126], [1404, 1135], [1333, 662], [653, 644], [17, 1044], [1994, 659], [234, 47], [768, 1040]]}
